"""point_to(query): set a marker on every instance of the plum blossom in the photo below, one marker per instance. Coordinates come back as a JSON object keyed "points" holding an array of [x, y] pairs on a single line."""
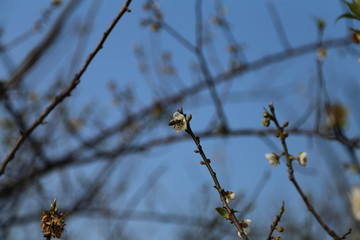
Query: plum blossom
{"points": [[246, 226], [178, 122], [229, 195], [302, 158], [273, 159]]}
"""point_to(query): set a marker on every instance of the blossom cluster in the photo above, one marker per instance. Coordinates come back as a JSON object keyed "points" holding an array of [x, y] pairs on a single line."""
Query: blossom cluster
{"points": [[52, 222], [179, 121]]}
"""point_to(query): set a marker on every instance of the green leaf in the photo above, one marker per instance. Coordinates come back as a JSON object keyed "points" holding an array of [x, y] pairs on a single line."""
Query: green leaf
{"points": [[222, 212], [354, 7], [347, 15]]}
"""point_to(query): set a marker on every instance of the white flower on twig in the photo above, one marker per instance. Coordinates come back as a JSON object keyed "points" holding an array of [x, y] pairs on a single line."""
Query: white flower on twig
{"points": [[178, 122], [246, 226], [273, 159], [229, 195], [302, 158]]}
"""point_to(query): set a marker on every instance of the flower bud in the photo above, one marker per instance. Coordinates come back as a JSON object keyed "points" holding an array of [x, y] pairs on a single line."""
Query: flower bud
{"points": [[189, 117], [285, 135], [271, 106], [277, 133], [266, 115], [266, 122]]}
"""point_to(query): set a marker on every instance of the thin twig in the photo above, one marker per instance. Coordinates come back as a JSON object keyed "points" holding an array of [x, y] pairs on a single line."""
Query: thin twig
{"points": [[276, 221], [282, 134], [279, 28], [346, 234], [217, 185], [65, 93]]}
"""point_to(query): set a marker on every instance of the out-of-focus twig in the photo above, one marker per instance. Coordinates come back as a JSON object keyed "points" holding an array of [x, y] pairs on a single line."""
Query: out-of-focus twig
{"points": [[279, 26], [35, 55], [65, 93]]}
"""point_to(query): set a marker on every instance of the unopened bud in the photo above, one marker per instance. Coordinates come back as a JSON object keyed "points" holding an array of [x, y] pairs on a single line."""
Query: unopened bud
{"points": [[279, 229], [356, 37], [277, 133], [266, 115], [285, 124], [189, 117], [285, 135], [271, 106], [266, 122]]}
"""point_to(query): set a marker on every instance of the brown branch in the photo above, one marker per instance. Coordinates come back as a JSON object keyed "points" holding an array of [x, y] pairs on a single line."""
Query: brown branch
{"points": [[282, 135], [346, 234], [276, 221], [217, 186], [65, 93]]}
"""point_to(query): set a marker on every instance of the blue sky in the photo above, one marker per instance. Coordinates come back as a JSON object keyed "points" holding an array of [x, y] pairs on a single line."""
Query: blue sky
{"points": [[239, 161]]}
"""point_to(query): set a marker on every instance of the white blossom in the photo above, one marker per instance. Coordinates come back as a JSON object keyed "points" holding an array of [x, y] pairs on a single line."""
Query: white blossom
{"points": [[230, 195], [246, 226], [178, 122], [355, 201], [303, 158], [273, 159]]}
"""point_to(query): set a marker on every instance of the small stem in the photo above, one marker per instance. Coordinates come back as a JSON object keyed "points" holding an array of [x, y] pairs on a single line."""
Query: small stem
{"points": [[217, 185], [276, 221]]}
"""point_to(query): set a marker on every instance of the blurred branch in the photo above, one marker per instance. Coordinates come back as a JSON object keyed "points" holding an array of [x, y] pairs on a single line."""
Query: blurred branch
{"points": [[262, 62], [140, 194], [116, 214], [255, 193], [197, 50], [65, 93], [69, 158], [278, 26], [35, 55], [44, 18], [228, 33]]}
